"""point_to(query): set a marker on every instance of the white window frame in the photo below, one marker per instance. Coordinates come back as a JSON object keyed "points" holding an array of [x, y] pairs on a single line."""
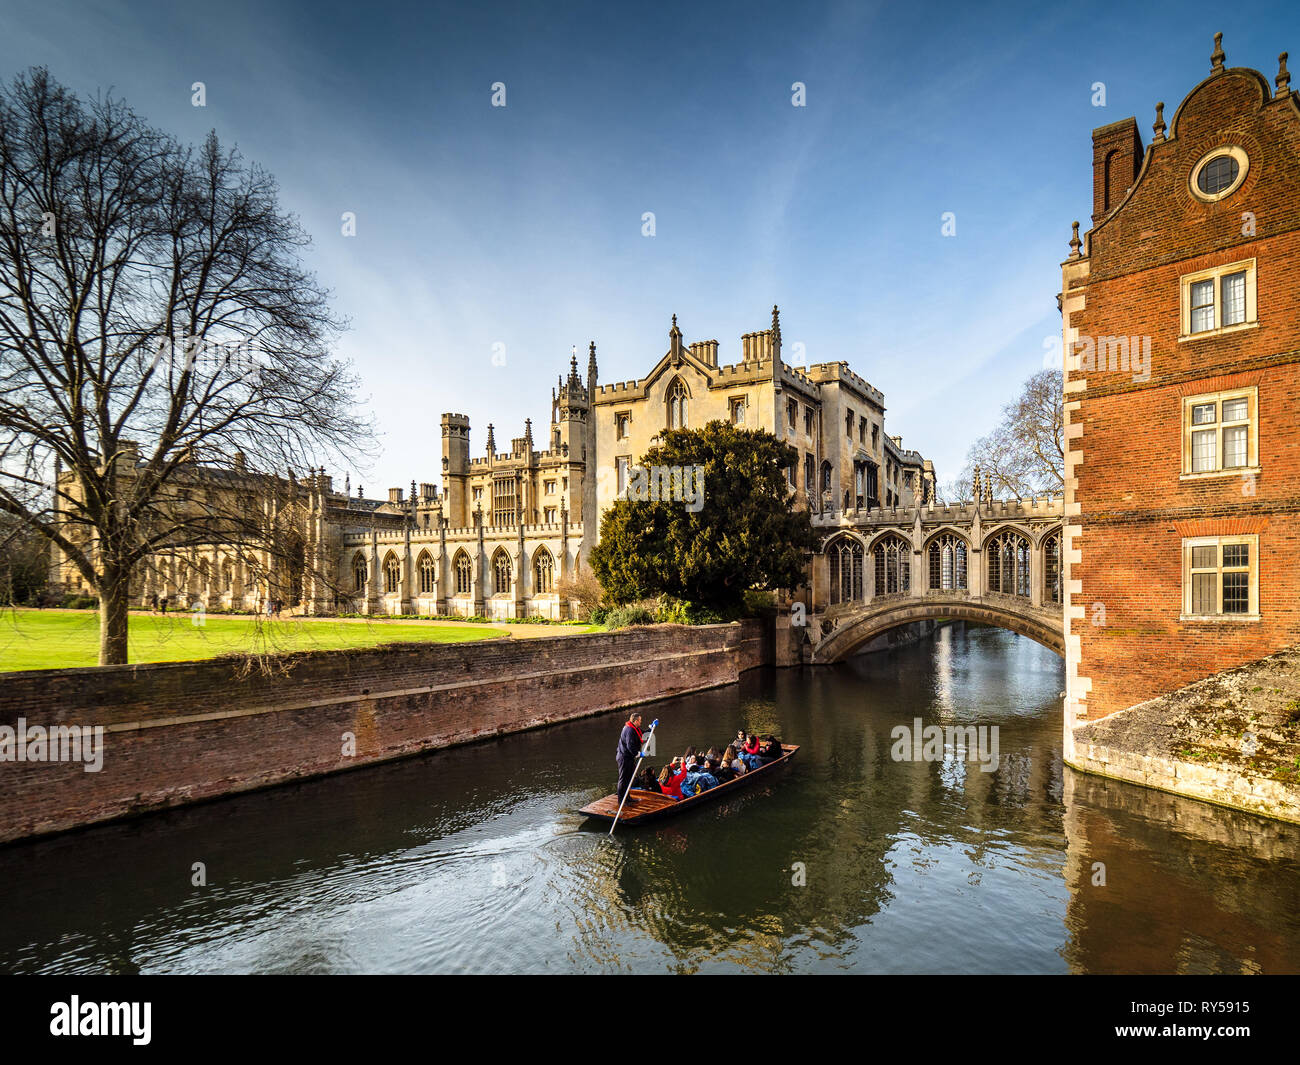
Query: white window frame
{"points": [[1251, 396], [1218, 543], [1243, 167], [1216, 276]]}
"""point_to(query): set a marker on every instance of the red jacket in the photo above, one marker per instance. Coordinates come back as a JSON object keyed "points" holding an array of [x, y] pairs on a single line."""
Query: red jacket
{"points": [[752, 748], [673, 788]]}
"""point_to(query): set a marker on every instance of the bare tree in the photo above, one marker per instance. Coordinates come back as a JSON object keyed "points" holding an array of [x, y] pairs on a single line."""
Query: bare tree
{"points": [[154, 313], [1025, 454]]}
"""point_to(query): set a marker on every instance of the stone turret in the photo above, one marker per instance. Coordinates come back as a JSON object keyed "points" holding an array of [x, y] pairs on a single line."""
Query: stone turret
{"points": [[455, 467]]}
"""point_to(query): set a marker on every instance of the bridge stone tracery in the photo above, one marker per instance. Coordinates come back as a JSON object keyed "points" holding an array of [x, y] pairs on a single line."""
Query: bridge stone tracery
{"points": [[994, 561]]}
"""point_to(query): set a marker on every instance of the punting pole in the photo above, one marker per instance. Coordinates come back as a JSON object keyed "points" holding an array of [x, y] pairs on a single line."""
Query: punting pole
{"points": [[653, 725]]}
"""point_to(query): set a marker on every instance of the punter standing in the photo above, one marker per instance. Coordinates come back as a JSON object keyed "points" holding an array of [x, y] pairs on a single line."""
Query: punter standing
{"points": [[629, 750]]}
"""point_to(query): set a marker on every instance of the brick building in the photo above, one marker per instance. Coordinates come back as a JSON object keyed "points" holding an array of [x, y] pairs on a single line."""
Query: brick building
{"points": [[1181, 323]]}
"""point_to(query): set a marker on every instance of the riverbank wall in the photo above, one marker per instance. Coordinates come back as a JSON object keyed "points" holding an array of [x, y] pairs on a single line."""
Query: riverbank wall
{"points": [[1232, 739], [183, 732]]}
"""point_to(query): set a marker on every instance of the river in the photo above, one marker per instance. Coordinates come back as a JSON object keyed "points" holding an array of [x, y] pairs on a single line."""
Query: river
{"points": [[474, 860]]}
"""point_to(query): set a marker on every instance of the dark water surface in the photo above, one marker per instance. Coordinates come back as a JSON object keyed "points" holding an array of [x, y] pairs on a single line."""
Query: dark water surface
{"points": [[474, 859]]}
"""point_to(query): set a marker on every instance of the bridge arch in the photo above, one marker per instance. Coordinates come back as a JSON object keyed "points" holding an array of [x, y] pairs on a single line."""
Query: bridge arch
{"points": [[851, 631]]}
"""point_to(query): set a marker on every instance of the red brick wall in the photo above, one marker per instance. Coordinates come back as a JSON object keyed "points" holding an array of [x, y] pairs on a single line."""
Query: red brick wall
{"points": [[1134, 510], [183, 732]]}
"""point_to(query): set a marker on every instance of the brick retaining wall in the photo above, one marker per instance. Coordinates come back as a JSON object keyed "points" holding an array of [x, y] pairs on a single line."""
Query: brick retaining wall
{"points": [[184, 732]]}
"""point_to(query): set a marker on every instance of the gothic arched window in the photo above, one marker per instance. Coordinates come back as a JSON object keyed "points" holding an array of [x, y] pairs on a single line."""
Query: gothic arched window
{"points": [[543, 572], [893, 566], [392, 574], [947, 563], [501, 571], [464, 574], [1008, 555], [428, 573], [1052, 569], [360, 571], [678, 398], [845, 555]]}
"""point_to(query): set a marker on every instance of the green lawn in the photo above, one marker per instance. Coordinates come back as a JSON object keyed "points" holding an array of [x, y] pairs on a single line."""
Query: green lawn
{"points": [[46, 639]]}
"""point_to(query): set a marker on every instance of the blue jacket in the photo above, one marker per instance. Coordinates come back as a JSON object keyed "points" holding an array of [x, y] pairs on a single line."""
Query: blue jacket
{"points": [[629, 745], [697, 782]]}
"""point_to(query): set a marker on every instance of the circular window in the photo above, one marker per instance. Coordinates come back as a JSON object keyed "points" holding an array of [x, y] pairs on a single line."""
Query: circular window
{"points": [[1219, 173]]}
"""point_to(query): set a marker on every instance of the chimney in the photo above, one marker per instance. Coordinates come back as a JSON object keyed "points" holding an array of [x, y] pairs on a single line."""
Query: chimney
{"points": [[1116, 159], [706, 351], [394, 495]]}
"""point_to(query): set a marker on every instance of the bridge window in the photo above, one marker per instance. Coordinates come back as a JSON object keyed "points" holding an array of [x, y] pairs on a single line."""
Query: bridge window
{"points": [[1052, 570], [846, 570], [947, 563], [1008, 555], [893, 566]]}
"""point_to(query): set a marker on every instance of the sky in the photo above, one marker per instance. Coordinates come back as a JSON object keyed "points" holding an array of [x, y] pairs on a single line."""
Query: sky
{"points": [[489, 241]]}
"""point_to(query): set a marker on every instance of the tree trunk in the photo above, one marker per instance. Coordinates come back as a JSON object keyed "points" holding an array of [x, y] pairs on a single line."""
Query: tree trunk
{"points": [[113, 601]]}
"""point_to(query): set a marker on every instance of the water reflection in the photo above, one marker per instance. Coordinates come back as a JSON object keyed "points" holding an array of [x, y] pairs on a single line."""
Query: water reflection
{"points": [[475, 860]]}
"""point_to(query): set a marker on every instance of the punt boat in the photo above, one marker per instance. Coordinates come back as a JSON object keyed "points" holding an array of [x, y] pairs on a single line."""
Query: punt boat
{"points": [[651, 806]]}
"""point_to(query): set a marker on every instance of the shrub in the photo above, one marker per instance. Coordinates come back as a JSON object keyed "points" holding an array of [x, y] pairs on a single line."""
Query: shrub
{"points": [[585, 590], [681, 612], [636, 614]]}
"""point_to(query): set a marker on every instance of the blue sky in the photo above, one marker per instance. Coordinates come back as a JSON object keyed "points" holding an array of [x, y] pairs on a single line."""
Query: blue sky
{"points": [[522, 226]]}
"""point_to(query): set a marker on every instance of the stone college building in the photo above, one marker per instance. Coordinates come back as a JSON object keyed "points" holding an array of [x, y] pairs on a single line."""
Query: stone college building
{"points": [[506, 527]]}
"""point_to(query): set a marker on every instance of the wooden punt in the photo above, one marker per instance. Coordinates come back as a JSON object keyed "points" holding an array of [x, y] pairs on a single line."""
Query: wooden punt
{"points": [[651, 806]]}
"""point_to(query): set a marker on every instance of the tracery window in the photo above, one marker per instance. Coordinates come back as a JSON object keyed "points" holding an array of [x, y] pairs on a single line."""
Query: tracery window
{"points": [[543, 572], [845, 555], [948, 557], [893, 566], [464, 574], [1052, 592], [360, 571], [1008, 555], [428, 573], [392, 574], [501, 571], [677, 402]]}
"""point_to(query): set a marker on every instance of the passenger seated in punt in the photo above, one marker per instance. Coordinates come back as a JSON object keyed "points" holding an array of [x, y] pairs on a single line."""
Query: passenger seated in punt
{"points": [[732, 760], [646, 781], [749, 753], [771, 750], [672, 778], [722, 769]]}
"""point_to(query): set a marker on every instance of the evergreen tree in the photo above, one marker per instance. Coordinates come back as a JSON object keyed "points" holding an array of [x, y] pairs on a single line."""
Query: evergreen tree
{"points": [[743, 533]]}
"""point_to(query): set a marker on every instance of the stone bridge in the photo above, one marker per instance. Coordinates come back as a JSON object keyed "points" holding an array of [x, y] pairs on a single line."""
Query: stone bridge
{"points": [[993, 561]]}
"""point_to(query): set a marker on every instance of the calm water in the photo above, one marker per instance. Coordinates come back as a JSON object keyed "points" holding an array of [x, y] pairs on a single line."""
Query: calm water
{"points": [[474, 860]]}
